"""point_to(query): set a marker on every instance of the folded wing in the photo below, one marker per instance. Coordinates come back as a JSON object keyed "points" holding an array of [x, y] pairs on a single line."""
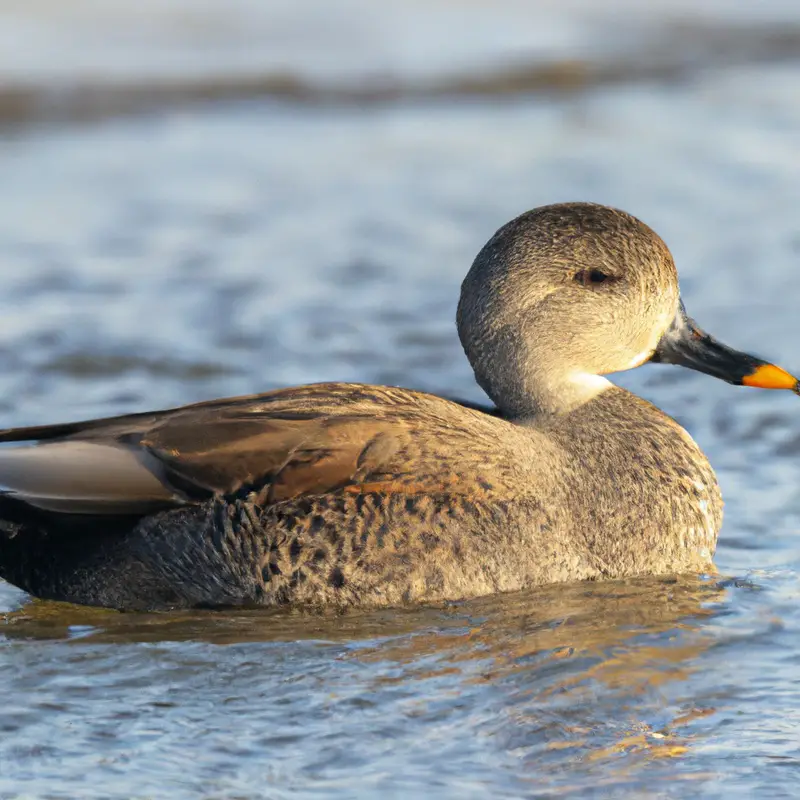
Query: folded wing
{"points": [[281, 445]]}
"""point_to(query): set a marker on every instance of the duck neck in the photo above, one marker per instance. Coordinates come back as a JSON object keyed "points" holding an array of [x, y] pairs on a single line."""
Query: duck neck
{"points": [[526, 381]]}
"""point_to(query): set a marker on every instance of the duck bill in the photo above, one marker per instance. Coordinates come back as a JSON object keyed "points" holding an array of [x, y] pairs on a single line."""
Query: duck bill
{"points": [[686, 344]]}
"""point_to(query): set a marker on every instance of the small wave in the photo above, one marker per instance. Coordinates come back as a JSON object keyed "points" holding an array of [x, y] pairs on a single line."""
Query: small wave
{"points": [[94, 365]]}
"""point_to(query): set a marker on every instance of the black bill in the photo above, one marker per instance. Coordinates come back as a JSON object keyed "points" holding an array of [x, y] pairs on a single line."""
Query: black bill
{"points": [[686, 344]]}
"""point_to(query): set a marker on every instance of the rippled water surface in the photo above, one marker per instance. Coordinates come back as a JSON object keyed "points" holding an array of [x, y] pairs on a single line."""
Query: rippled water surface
{"points": [[225, 247]]}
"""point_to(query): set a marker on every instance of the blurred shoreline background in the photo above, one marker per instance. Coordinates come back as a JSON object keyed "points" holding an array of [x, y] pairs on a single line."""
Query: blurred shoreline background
{"points": [[88, 59]]}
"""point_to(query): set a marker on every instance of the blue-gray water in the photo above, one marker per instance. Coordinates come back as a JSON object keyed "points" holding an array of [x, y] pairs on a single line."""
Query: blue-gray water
{"points": [[222, 248]]}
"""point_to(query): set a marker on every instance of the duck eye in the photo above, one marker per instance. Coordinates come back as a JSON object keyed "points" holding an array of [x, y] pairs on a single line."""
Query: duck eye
{"points": [[590, 277]]}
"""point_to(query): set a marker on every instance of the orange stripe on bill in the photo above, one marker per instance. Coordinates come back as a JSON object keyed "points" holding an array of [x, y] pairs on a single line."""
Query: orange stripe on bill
{"points": [[769, 376]]}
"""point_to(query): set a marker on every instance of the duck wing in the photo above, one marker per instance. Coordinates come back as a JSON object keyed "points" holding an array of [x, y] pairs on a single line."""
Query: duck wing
{"points": [[281, 445]]}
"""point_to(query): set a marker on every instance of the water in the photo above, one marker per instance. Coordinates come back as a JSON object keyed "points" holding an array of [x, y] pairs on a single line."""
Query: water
{"points": [[207, 249]]}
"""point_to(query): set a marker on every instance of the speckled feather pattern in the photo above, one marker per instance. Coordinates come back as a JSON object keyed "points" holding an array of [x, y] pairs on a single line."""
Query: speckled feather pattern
{"points": [[464, 504]]}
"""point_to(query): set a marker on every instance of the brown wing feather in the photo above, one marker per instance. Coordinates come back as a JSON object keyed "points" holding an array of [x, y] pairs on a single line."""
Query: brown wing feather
{"points": [[284, 444], [293, 457]]}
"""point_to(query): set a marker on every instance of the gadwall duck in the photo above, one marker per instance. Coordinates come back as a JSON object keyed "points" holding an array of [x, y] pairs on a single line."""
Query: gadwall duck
{"points": [[356, 495]]}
